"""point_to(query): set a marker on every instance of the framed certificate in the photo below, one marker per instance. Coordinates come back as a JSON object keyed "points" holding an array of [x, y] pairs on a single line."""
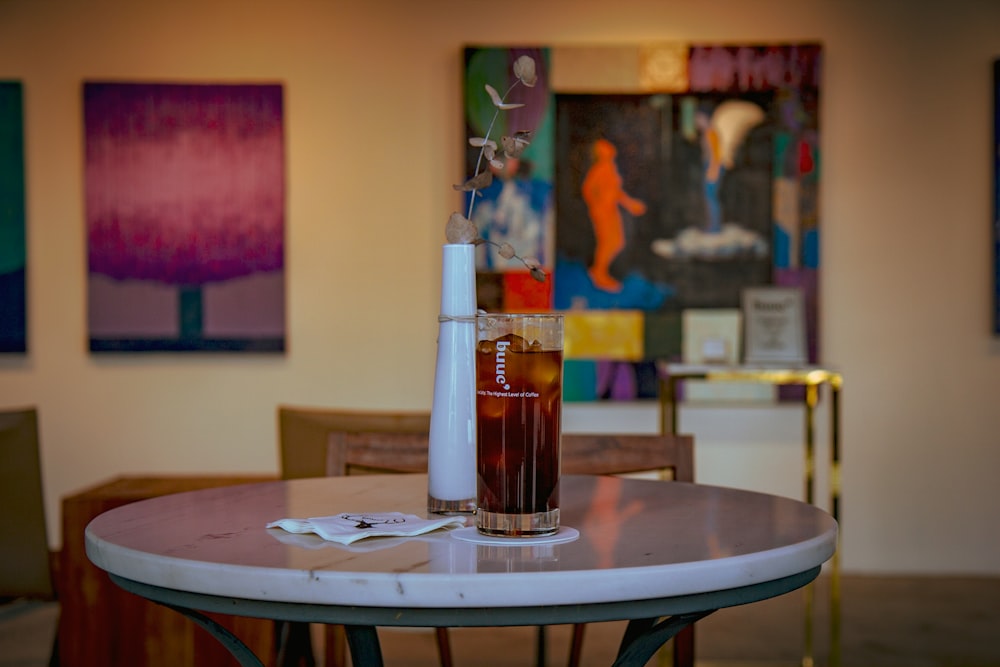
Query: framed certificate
{"points": [[774, 326]]}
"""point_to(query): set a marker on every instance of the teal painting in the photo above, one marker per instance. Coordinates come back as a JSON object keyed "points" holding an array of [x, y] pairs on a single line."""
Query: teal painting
{"points": [[13, 308]]}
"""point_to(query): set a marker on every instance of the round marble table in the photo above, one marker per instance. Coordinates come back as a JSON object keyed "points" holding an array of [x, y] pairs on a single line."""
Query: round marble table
{"points": [[646, 549]]}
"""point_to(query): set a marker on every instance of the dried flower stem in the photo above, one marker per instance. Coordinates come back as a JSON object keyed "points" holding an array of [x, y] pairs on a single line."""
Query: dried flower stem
{"points": [[482, 149], [461, 229]]}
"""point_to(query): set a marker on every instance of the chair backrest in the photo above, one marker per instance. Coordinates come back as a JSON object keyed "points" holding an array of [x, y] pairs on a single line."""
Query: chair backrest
{"points": [[25, 567], [666, 456], [671, 456], [352, 452], [318, 442]]}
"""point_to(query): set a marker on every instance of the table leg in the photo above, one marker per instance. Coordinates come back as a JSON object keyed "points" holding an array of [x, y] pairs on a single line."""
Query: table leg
{"points": [[835, 511], [668, 405], [811, 400], [233, 644], [364, 644], [541, 647], [644, 637], [362, 640], [293, 645], [807, 650]]}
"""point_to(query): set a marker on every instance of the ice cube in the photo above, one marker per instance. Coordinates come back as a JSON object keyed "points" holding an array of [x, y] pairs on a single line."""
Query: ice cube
{"points": [[517, 344]]}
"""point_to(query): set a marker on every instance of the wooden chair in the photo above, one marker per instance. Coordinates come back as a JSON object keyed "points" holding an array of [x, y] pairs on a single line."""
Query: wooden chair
{"points": [[317, 442], [27, 567], [668, 456], [304, 434]]}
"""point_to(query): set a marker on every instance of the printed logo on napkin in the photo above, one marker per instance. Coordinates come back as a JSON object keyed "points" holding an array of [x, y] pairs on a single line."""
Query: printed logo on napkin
{"points": [[348, 527]]}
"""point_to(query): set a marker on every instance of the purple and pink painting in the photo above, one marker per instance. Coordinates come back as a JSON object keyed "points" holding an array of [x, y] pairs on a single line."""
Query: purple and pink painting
{"points": [[185, 211]]}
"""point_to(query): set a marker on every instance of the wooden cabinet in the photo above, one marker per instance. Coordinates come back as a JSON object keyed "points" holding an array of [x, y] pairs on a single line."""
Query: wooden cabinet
{"points": [[101, 625]]}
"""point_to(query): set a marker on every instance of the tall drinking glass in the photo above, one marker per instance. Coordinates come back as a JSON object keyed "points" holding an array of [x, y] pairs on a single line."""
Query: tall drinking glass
{"points": [[519, 361]]}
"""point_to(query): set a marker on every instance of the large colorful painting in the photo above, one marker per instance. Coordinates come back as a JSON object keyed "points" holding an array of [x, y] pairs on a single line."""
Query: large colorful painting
{"points": [[663, 178], [13, 265], [185, 210]]}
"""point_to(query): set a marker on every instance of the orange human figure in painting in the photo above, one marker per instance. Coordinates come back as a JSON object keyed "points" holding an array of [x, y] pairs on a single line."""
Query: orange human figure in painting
{"points": [[603, 194]]}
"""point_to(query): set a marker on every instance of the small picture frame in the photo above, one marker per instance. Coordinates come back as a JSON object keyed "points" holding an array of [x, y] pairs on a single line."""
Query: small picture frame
{"points": [[711, 336], [774, 326]]}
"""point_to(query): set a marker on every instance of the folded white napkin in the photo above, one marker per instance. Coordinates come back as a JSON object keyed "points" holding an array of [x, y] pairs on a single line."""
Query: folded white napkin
{"points": [[348, 527]]}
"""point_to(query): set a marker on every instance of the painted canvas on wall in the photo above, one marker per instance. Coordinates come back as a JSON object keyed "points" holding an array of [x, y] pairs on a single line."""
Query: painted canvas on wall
{"points": [[680, 175], [185, 211], [13, 264]]}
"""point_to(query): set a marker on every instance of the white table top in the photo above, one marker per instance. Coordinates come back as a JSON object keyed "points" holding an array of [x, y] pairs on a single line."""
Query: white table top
{"points": [[639, 539]]}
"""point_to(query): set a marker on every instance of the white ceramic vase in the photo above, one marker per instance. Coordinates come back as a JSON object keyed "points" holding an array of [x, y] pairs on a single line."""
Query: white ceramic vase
{"points": [[451, 486]]}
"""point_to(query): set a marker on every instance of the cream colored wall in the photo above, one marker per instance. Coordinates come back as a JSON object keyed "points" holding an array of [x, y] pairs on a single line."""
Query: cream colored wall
{"points": [[373, 129]]}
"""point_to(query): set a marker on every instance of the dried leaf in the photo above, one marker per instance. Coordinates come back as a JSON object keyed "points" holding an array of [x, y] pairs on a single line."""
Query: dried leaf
{"points": [[538, 274], [506, 251], [460, 229], [479, 142], [477, 182], [524, 69], [480, 181], [515, 145], [509, 146], [498, 101], [531, 262], [497, 163]]}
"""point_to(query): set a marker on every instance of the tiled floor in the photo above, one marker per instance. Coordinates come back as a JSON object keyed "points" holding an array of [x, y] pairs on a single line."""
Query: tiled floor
{"points": [[886, 622], [26, 633]]}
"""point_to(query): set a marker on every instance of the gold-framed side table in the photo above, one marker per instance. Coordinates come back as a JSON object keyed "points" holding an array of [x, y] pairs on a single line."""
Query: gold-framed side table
{"points": [[812, 378]]}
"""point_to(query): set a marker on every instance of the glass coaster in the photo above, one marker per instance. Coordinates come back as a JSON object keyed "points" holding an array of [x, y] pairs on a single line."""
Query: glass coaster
{"points": [[472, 534]]}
